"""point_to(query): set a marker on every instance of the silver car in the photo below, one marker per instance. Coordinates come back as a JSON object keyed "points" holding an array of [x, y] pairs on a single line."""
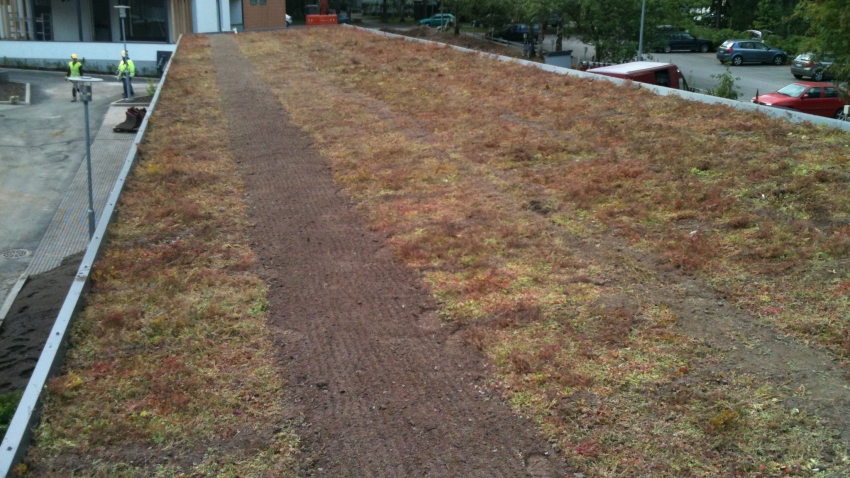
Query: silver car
{"points": [[739, 52], [816, 67]]}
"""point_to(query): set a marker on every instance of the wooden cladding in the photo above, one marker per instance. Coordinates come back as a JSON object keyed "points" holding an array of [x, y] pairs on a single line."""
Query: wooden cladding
{"points": [[181, 18], [13, 20], [256, 15]]}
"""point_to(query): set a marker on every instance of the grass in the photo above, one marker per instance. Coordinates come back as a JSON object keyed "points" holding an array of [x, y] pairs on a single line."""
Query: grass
{"points": [[498, 182], [171, 358], [8, 405]]}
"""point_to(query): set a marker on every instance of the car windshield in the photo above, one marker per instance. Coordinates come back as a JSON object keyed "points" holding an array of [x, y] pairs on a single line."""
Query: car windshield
{"points": [[793, 89]]}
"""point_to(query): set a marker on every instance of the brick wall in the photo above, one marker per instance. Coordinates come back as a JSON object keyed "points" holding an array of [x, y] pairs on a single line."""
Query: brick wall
{"points": [[256, 15]]}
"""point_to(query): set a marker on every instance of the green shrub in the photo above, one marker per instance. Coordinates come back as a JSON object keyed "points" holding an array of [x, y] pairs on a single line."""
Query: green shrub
{"points": [[8, 405], [726, 87]]}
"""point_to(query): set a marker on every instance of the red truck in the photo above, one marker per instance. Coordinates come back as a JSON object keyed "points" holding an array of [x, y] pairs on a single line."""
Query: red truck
{"points": [[652, 72]]}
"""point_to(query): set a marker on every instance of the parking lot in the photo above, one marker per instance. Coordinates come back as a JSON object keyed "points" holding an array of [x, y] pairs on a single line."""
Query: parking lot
{"points": [[42, 147]]}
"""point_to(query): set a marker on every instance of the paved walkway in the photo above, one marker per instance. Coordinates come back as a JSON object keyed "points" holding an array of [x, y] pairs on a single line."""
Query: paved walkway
{"points": [[43, 180]]}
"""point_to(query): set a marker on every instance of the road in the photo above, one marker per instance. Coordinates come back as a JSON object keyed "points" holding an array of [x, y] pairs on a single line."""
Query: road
{"points": [[698, 68]]}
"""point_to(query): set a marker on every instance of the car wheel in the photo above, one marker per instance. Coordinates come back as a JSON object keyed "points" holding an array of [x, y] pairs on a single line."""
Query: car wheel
{"points": [[667, 49], [703, 48], [778, 60], [818, 76], [839, 114], [737, 60]]}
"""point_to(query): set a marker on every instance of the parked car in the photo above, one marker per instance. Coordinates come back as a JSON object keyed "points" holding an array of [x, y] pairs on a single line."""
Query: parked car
{"points": [[709, 18], [288, 20], [343, 18], [822, 99], [515, 32], [438, 20], [758, 34], [738, 52], [670, 41], [810, 65], [651, 72]]}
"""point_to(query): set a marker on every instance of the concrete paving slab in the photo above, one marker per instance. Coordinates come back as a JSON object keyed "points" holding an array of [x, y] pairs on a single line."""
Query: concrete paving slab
{"points": [[42, 146]]}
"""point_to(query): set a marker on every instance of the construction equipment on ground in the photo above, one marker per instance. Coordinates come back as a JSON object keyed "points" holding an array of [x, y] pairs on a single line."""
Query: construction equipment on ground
{"points": [[318, 15]]}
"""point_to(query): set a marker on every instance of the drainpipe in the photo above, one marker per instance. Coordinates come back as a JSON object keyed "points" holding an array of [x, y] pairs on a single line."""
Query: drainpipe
{"points": [[218, 12]]}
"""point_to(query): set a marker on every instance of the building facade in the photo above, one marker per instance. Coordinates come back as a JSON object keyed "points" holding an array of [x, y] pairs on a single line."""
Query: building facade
{"points": [[44, 33]]}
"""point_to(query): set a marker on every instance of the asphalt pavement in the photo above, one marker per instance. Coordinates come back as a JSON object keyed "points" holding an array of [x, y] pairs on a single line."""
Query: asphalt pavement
{"points": [[42, 147]]}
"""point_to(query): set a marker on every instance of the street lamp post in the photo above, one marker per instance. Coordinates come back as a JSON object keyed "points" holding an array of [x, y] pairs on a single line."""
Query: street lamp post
{"points": [[84, 86], [122, 12], [640, 41]]}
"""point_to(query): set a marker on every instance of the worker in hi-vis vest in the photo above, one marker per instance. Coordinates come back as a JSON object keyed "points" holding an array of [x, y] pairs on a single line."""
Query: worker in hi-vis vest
{"points": [[75, 70], [126, 72]]}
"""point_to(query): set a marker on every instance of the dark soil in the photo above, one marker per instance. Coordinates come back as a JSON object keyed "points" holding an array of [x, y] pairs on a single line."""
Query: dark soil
{"points": [[379, 387], [26, 327], [8, 89]]}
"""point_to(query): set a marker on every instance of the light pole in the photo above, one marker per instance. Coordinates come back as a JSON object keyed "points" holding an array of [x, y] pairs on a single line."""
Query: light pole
{"points": [[83, 84], [122, 12], [640, 40]]}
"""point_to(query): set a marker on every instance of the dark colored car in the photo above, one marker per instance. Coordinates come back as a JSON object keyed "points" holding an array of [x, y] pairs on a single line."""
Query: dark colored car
{"points": [[822, 99], [671, 41], [810, 65], [343, 18], [515, 32], [739, 52]]}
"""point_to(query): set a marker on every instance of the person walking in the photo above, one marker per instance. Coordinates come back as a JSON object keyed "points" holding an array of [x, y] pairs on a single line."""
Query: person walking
{"points": [[75, 70], [126, 72]]}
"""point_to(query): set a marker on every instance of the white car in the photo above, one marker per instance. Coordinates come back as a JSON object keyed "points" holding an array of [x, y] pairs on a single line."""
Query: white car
{"points": [[288, 20]]}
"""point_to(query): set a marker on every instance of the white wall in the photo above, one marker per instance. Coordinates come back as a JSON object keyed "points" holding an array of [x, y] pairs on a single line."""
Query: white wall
{"points": [[65, 27], [205, 15], [143, 54]]}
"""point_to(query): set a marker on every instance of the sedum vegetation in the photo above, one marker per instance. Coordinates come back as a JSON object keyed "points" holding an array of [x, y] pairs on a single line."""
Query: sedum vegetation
{"points": [[541, 208], [562, 223], [171, 362]]}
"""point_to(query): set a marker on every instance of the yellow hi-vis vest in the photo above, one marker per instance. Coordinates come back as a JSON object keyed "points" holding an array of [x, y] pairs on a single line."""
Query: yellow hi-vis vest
{"points": [[75, 68], [127, 67]]}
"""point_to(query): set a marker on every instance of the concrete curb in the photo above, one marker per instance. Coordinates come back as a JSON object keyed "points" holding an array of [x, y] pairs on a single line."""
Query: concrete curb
{"points": [[13, 294], [17, 439], [26, 98]]}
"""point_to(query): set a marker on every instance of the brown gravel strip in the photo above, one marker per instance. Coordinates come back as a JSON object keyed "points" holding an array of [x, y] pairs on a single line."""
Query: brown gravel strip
{"points": [[380, 388]]}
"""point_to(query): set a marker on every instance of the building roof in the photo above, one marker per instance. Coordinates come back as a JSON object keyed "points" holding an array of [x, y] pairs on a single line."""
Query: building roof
{"points": [[626, 68]]}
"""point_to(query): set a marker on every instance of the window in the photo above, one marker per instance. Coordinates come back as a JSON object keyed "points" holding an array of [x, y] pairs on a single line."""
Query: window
{"points": [[829, 92], [146, 21], [814, 92]]}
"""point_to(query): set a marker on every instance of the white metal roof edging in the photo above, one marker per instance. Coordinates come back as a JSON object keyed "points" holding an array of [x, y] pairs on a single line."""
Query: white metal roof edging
{"points": [[793, 116], [16, 441]]}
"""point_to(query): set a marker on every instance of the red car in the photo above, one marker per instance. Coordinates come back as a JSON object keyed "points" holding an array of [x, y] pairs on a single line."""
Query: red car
{"points": [[822, 99]]}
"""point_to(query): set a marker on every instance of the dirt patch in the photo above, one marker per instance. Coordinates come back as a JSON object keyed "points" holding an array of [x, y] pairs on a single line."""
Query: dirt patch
{"points": [[380, 388], [9, 89], [29, 322]]}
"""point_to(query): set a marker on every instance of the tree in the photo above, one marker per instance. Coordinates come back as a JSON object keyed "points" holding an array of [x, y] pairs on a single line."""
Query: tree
{"points": [[829, 30]]}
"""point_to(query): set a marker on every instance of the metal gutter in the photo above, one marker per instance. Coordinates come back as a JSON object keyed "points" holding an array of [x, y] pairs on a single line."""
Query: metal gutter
{"points": [[792, 116], [17, 439]]}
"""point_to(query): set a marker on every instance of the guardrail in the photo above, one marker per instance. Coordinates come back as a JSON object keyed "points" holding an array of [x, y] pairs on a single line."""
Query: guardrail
{"points": [[19, 434]]}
